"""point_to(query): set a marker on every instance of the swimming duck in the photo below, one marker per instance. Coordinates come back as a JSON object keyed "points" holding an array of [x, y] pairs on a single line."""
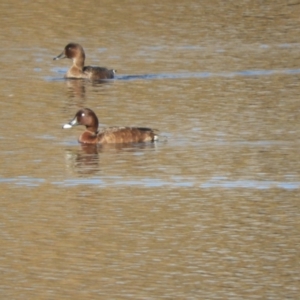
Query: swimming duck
{"points": [[78, 70], [108, 135]]}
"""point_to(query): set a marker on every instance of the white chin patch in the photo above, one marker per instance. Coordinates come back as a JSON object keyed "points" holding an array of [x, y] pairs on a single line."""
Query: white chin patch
{"points": [[66, 126]]}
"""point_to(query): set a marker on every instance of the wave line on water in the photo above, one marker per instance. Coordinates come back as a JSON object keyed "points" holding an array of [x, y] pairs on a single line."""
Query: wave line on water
{"points": [[188, 75], [217, 182]]}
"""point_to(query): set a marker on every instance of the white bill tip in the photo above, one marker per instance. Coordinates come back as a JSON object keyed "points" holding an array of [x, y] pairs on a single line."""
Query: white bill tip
{"points": [[66, 126]]}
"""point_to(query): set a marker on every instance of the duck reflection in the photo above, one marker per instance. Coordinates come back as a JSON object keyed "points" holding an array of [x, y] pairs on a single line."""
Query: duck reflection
{"points": [[84, 160], [77, 87], [130, 147], [87, 158]]}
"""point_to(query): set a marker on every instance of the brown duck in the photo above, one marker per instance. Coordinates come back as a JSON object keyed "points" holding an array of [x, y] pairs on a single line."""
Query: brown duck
{"points": [[109, 135], [78, 70]]}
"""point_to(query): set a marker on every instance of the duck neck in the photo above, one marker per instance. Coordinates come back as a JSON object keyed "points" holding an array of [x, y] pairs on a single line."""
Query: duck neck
{"points": [[93, 127], [78, 62]]}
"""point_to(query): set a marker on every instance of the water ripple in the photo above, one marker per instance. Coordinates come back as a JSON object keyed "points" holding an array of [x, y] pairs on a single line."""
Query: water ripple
{"points": [[216, 182]]}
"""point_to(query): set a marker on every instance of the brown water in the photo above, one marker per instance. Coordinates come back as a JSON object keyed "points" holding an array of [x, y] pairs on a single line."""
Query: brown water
{"points": [[211, 213]]}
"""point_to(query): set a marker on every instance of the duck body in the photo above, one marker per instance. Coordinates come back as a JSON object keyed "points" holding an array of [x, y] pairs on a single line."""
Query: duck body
{"points": [[78, 70], [109, 135]]}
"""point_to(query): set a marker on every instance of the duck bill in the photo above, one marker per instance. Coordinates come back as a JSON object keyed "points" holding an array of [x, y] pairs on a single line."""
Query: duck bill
{"points": [[70, 124], [62, 55]]}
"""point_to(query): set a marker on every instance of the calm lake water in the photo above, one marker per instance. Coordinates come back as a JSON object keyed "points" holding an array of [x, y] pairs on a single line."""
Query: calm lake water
{"points": [[211, 211]]}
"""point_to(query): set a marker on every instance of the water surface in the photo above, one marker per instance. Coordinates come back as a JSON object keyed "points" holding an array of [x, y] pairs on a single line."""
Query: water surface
{"points": [[209, 212]]}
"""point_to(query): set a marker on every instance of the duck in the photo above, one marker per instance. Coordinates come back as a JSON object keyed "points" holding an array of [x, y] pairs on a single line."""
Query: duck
{"points": [[108, 135], [75, 52]]}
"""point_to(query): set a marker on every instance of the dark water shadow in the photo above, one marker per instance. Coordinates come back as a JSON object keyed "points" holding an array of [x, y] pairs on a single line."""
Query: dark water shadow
{"points": [[188, 75]]}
